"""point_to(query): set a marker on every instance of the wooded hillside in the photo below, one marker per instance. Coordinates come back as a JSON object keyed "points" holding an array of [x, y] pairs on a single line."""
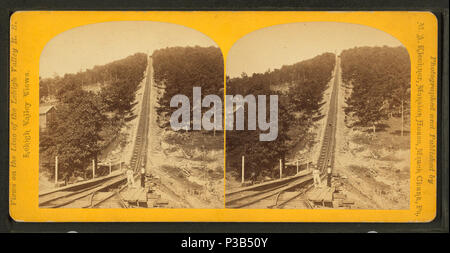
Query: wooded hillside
{"points": [[379, 78], [87, 121], [300, 88], [179, 69]]}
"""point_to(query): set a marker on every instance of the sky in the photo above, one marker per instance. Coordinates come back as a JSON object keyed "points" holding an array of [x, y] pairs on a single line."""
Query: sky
{"points": [[84, 47], [96, 44], [273, 47]]}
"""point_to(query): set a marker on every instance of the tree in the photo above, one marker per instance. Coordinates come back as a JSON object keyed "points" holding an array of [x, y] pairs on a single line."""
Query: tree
{"points": [[81, 128], [74, 134], [380, 82], [178, 69]]}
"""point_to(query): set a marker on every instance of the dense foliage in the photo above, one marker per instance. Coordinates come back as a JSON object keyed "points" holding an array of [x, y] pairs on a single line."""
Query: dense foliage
{"points": [[86, 121], [178, 69], [380, 82], [300, 88]]}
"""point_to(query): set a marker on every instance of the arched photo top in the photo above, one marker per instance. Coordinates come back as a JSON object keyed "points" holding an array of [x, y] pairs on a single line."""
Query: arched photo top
{"points": [[278, 45], [86, 46]]}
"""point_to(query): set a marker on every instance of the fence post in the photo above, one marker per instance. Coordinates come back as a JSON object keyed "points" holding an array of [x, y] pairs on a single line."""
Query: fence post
{"points": [[243, 169], [110, 167], [93, 169], [297, 166], [329, 176], [281, 169], [56, 171]]}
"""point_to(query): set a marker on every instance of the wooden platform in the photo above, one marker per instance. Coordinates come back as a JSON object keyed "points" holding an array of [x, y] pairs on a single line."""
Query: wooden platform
{"points": [[321, 195], [135, 195]]}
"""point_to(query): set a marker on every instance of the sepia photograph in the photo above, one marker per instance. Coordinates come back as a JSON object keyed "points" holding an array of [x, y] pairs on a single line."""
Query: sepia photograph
{"points": [[106, 134], [224, 117], [340, 112]]}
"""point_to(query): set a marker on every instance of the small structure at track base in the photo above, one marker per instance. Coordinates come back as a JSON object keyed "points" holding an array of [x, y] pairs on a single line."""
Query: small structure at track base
{"points": [[142, 197], [135, 196], [329, 197], [321, 196]]}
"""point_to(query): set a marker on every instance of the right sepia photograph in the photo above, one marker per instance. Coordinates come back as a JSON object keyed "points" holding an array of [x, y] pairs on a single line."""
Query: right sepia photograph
{"points": [[327, 119]]}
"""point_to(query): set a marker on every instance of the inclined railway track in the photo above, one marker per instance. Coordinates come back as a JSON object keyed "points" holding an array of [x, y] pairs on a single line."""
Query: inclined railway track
{"points": [[271, 193], [251, 196], [326, 157], [81, 195]]}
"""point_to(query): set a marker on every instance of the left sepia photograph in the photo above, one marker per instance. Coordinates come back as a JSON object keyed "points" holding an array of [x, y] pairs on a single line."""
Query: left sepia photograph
{"points": [[106, 118]]}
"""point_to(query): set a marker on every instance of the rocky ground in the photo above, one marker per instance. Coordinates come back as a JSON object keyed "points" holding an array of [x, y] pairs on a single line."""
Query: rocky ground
{"points": [[189, 165], [375, 168]]}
